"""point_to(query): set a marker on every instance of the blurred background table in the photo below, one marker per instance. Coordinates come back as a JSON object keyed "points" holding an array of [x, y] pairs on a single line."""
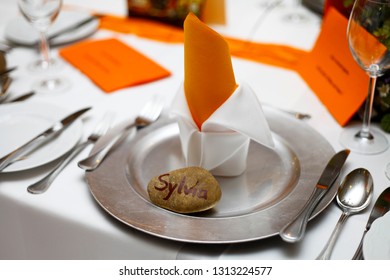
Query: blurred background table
{"points": [[67, 223]]}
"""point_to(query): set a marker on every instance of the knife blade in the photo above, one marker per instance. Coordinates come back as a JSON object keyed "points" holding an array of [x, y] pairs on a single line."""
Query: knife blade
{"points": [[6, 47], [7, 71], [381, 207], [41, 138], [22, 97], [294, 231], [72, 27]]}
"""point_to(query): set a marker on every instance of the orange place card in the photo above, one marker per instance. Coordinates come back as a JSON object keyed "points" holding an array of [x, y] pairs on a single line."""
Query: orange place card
{"points": [[113, 65], [332, 73]]}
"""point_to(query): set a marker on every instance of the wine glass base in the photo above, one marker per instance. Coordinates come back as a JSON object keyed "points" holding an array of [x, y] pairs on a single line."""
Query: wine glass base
{"points": [[366, 146], [51, 85], [41, 66]]}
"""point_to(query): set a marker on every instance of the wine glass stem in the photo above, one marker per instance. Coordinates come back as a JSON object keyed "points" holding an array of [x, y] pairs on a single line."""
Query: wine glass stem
{"points": [[365, 131], [45, 50]]}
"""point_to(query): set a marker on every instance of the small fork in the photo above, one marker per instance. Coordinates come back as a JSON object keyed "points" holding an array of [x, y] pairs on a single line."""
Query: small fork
{"points": [[42, 185], [150, 113]]}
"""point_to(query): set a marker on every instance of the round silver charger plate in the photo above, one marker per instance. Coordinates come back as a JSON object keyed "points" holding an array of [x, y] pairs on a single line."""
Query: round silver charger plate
{"points": [[254, 205]]}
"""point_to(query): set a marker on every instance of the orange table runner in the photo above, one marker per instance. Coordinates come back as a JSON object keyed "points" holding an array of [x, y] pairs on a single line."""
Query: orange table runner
{"points": [[272, 54]]}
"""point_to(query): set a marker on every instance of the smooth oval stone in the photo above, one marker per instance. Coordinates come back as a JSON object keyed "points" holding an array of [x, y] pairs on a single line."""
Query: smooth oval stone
{"points": [[186, 190]]}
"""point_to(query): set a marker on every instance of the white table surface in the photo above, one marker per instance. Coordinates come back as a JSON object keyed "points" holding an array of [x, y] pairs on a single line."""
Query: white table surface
{"points": [[67, 223]]}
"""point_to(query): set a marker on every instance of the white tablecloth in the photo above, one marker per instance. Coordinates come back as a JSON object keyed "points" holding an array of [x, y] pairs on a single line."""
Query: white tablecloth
{"points": [[67, 223]]}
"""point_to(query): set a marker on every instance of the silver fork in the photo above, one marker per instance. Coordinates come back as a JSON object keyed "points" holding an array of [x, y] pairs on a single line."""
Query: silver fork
{"points": [[42, 185], [298, 115], [150, 113]]}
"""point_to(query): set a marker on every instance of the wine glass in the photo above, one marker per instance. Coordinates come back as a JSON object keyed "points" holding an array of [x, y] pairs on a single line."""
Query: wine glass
{"points": [[41, 14], [368, 39]]}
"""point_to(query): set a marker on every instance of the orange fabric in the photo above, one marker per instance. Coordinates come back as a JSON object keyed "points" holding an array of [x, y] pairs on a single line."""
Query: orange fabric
{"points": [[143, 28], [112, 65], [331, 71], [272, 54], [208, 73]]}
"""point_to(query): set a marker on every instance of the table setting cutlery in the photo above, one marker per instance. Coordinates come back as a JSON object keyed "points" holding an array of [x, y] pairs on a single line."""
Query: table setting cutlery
{"points": [[4, 92], [50, 133], [296, 114], [294, 231], [7, 71], [149, 114], [376, 243], [70, 27], [5, 84], [22, 97], [354, 195], [381, 207], [42, 185]]}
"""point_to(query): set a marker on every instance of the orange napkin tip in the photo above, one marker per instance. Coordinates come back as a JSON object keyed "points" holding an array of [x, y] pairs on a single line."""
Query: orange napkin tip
{"points": [[209, 78]]}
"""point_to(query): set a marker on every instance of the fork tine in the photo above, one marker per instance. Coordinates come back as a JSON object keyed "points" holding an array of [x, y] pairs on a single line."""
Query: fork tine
{"points": [[154, 108], [104, 124], [150, 113]]}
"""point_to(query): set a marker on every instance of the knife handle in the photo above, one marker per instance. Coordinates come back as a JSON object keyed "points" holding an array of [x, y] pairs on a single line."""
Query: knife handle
{"points": [[294, 231], [13, 156]]}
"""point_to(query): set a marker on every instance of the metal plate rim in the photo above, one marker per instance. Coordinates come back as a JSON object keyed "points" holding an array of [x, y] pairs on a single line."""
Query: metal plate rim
{"points": [[110, 189]]}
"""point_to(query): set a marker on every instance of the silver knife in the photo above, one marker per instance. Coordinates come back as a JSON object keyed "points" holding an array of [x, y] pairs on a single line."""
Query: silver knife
{"points": [[22, 97], [38, 140], [72, 27], [7, 71], [381, 207], [294, 231], [6, 47]]}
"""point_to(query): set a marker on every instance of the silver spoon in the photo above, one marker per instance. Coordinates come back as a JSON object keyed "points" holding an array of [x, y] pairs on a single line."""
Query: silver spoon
{"points": [[353, 196]]}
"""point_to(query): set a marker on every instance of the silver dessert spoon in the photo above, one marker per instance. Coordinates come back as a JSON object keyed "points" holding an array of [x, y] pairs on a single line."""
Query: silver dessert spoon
{"points": [[353, 196]]}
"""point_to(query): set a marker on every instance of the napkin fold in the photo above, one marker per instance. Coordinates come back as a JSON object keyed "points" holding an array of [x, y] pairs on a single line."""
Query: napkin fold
{"points": [[217, 117], [113, 65]]}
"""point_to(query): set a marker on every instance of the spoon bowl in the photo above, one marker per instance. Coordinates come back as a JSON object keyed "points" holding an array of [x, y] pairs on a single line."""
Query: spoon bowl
{"points": [[353, 196], [355, 193]]}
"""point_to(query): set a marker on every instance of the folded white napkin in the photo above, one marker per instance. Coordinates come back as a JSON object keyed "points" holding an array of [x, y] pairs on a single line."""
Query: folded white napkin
{"points": [[222, 144]]}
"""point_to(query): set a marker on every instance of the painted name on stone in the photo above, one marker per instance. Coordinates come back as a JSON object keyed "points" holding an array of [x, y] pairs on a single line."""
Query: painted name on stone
{"points": [[182, 187]]}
